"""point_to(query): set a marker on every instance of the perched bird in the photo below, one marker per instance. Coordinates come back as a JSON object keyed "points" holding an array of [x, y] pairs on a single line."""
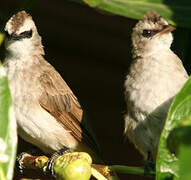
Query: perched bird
{"points": [[48, 114], [155, 76]]}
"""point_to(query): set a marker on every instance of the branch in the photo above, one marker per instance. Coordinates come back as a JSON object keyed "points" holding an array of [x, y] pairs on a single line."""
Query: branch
{"points": [[78, 165], [131, 170], [69, 166]]}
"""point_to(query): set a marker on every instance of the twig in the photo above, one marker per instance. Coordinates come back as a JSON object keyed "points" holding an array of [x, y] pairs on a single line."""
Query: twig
{"points": [[130, 170], [100, 172]]}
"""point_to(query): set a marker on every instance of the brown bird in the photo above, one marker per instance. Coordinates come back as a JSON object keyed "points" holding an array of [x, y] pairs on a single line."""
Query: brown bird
{"points": [[48, 114]]}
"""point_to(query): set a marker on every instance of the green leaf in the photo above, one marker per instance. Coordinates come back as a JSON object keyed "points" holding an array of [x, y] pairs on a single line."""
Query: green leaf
{"points": [[1, 37], [171, 137], [184, 162], [8, 134], [175, 12], [179, 143]]}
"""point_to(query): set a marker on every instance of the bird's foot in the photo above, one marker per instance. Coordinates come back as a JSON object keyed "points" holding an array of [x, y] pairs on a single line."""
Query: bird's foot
{"points": [[49, 167], [149, 165], [19, 161], [149, 168]]}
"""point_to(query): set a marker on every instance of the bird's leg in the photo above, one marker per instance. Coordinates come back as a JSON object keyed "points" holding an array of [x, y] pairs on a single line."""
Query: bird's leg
{"points": [[149, 165], [48, 168]]}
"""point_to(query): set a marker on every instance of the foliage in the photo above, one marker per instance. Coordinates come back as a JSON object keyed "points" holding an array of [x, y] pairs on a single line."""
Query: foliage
{"points": [[175, 145], [175, 12], [8, 135]]}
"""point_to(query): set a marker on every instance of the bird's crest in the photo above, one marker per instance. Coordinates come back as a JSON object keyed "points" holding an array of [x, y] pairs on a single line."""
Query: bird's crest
{"points": [[153, 17], [17, 21]]}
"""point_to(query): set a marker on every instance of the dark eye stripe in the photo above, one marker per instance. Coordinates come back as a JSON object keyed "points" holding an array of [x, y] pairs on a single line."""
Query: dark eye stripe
{"points": [[149, 33], [25, 34]]}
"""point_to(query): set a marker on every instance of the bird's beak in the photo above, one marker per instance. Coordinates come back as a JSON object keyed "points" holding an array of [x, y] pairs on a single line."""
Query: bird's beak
{"points": [[166, 29]]}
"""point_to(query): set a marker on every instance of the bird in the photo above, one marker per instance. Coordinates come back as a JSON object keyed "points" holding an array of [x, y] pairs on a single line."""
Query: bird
{"points": [[48, 114], [155, 76]]}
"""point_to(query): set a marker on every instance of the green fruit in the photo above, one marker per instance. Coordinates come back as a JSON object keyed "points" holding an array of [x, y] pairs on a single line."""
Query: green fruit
{"points": [[73, 166]]}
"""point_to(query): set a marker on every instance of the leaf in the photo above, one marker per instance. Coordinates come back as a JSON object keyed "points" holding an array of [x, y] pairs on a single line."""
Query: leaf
{"points": [[175, 12], [8, 134], [179, 113], [1, 37], [184, 162], [179, 143]]}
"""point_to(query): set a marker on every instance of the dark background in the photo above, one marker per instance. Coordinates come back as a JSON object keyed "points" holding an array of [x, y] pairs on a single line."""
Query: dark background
{"points": [[92, 51]]}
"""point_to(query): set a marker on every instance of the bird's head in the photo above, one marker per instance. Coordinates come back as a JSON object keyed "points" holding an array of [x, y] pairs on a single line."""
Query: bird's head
{"points": [[150, 34], [21, 35]]}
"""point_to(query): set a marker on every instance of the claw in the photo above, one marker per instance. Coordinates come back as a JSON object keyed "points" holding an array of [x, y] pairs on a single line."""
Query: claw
{"points": [[19, 161], [49, 167]]}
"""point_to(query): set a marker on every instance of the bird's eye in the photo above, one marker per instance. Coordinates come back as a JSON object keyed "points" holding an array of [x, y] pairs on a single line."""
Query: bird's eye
{"points": [[149, 33]]}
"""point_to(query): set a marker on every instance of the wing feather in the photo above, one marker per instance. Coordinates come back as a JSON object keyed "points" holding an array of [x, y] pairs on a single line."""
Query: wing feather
{"points": [[58, 99], [60, 102]]}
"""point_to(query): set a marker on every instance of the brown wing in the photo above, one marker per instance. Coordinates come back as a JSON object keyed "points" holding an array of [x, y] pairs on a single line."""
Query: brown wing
{"points": [[60, 102]]}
